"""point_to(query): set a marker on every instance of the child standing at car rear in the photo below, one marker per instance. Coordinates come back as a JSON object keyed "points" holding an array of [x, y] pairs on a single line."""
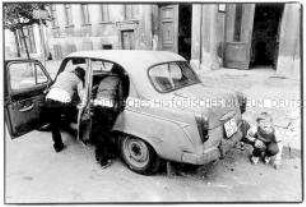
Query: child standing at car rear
{"points": [[264, 140]]}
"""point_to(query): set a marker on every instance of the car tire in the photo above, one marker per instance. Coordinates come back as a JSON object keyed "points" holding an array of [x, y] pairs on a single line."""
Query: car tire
{"points": [[139, 155]]}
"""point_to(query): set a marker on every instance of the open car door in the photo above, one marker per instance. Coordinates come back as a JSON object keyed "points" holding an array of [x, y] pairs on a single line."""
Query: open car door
{"points": [[26, 83], [84, 120]]}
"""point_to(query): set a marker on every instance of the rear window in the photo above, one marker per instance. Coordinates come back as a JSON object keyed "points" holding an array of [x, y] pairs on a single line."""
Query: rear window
{"points": [[171, 76]]}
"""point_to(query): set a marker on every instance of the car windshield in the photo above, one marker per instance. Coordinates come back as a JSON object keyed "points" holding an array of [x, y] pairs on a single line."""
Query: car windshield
{"points": [[171, 76]]}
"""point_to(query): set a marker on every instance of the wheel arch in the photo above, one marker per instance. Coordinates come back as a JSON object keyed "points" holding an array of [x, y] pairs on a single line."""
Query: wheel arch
{"points": [[139, 135], [168, 139]]}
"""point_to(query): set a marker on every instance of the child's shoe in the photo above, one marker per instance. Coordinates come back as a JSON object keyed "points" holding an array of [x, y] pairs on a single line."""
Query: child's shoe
{"points": [[254, 160], [267, 160]]}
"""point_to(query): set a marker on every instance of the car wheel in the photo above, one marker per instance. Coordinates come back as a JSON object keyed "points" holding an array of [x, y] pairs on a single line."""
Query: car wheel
{"points": [[139, 155]]}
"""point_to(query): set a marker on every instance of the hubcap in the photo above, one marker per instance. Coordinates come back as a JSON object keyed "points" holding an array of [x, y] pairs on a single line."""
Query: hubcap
{"points": [[136, 152]]}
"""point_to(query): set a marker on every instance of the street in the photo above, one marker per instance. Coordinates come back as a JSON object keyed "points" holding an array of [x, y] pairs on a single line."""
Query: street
{"points": [[36, 174], [101, 55]]}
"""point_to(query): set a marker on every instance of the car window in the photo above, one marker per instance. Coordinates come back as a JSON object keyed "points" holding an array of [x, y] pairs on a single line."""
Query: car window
{"points": [[100, 65], [161, 78], [26, 75], [171, 76], [74, 63]]}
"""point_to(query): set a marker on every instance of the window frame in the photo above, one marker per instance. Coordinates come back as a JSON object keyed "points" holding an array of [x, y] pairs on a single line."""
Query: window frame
{"points": [[132, 13], [29, 39], [36, 86], [68, 15], [54, 21], [85, 15], [103, 8]]}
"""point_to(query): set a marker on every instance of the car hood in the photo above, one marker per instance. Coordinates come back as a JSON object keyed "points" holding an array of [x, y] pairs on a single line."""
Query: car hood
{"points": [[218, 105]]}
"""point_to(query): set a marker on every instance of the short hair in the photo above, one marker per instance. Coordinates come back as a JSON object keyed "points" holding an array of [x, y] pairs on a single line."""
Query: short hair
{"points": [[116, 69], [264, 116], [80, 72]]}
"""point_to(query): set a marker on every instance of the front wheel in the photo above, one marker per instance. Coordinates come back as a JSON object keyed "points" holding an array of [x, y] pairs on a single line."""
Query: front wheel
{"points": [[139, 155]]}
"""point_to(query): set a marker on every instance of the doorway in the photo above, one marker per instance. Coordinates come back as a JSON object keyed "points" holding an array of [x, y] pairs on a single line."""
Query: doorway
{"points": [[128, 39], [184, 30], [175, 28], [265, 37]]}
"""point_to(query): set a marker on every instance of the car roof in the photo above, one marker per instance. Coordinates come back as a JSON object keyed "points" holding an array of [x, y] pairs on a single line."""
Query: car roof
{"points": [[135, 63], [127, 58]]}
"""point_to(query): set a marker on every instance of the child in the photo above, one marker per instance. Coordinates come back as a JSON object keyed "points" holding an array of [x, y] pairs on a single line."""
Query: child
{"points": [[262, 138]]}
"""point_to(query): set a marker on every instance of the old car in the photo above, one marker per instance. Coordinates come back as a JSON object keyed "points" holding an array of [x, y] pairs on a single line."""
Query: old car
{"points": [[169, 113]]}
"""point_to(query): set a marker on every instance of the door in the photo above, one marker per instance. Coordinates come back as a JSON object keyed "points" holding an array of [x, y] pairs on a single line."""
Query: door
{"points": [[84, 120], [238, 35], [128, 39], [25, 90], [168, 27]]}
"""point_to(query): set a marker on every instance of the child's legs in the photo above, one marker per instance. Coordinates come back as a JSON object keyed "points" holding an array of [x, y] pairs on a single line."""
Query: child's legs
{"points": [[257, 152], [272, 149]]}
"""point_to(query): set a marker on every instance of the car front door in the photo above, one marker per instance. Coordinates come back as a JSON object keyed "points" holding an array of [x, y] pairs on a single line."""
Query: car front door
{"points": [[25, 88]]}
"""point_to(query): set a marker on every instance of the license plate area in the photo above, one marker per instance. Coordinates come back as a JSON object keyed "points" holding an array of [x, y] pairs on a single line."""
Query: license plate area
{"points": [[230, 128]]}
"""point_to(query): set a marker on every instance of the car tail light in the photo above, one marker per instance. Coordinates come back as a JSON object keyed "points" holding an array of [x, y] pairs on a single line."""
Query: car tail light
{"points": [[203, 124]]}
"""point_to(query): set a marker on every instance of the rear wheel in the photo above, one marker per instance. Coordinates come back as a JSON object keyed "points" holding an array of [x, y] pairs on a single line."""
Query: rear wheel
{"points": [[139, 155]]}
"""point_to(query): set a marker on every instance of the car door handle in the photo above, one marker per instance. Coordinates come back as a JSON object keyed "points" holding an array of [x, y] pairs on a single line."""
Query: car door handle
{"points": [[27, 108]]}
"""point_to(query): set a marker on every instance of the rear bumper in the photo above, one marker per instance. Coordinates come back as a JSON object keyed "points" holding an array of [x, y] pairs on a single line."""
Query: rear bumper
{"points": [[201, 159], [215, 152]]}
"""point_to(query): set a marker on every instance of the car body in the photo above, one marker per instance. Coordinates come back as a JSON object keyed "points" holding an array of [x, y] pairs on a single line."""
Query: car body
{"points": [[154, 124]]}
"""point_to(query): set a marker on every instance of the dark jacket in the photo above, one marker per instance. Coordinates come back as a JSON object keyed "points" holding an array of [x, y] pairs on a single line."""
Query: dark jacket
{"points": [[111, 88], [265, 137]]}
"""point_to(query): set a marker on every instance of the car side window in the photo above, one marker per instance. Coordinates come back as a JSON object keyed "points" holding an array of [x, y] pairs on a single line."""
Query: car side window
{"points": [[101, 66], [26, 75]]}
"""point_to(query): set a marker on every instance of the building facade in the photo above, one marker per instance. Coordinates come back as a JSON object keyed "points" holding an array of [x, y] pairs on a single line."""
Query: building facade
{"points": [[210, 36], [98, 26]]}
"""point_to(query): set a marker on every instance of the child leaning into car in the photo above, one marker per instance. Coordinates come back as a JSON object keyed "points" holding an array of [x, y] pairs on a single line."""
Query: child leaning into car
{"points": [[263, 138]]}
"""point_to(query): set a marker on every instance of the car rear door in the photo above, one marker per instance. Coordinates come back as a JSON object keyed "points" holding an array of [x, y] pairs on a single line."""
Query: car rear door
{"points": [[26, 83], [84, 120]]}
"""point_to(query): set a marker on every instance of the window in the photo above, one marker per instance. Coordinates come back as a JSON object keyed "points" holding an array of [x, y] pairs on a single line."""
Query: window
{"points": [[73, 63], [29, 38], [85, 14], [99, 65], [68, 14], [238, 23], [104, 13], [221, 8], [131, 11], [26, 75], [171, 76], [54, 21]]}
